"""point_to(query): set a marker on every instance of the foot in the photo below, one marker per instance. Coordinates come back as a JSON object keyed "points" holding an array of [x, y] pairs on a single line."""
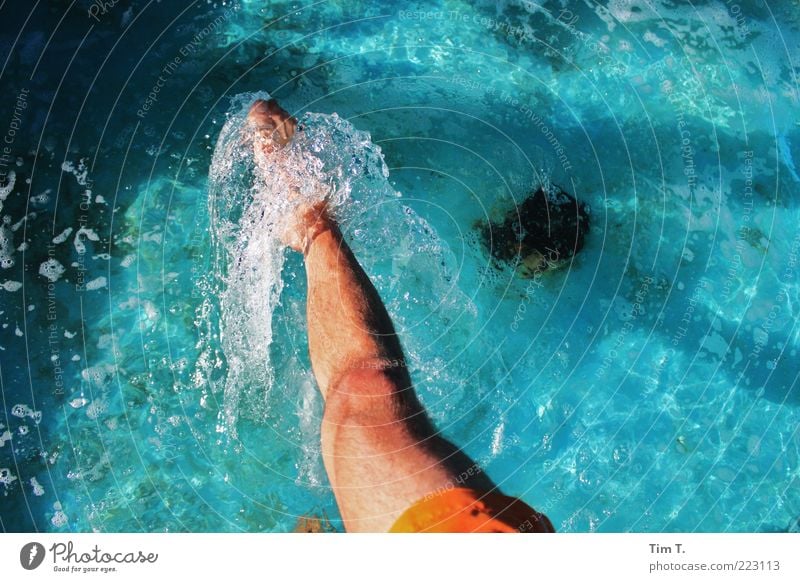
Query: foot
{"points": [[272, 125], [309, 221], [274, 128]]}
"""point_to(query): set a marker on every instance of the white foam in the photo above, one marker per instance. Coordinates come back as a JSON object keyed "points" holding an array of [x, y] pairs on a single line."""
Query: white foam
{"points": [[89, 234], [95, 284], [16, 226], [59, 517], [81, 171], [63, 236], [149, 315], [42, 198], [99, 375], [96, 408], [11, 178], [38, 490], [6, 246], [309, 465], [25, 411], [497, 438], [20, 410], [78, 402], [51, 270], [7, 477], [653, 38]]}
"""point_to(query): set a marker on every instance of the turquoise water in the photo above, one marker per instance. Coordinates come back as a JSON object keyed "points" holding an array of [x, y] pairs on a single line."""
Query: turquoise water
{"points": [[652, 385]]}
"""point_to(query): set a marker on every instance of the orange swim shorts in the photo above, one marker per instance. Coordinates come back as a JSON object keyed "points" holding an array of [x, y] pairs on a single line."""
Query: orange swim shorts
{"points": [[461, 510]]}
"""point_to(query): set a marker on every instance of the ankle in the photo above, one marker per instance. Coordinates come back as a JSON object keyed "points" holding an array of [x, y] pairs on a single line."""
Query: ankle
{"points": [[324, 224], [310, 222]]}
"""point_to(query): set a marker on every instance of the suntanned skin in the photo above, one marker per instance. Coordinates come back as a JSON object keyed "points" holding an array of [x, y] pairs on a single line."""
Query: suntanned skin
{"points": [[380, 450]]}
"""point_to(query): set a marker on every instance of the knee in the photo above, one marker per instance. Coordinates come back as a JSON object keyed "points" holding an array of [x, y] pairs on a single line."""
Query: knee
{"points": [[359, 390], [363, 413], [371, 377], [363, 395]]}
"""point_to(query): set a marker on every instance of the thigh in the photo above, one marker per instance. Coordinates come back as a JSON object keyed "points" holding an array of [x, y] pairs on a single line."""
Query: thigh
{"points": [[379, 454]]}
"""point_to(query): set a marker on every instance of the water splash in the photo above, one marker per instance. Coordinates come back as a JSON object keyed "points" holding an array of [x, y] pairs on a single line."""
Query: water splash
{"points": [[250, 205]]}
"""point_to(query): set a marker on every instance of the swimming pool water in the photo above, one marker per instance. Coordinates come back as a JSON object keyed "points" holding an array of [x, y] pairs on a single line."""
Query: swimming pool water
{"points": [[651, 385]]}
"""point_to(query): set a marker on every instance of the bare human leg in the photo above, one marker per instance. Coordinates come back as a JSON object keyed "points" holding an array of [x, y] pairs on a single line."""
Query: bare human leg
{"points": [[380, 450]]}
